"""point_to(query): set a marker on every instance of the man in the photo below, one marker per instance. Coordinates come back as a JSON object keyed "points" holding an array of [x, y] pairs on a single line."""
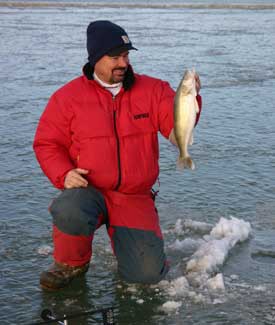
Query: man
{"points": [[97, 142]]}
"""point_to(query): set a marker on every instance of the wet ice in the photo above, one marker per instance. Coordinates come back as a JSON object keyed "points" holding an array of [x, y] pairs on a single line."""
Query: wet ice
{"points": [[202, 275]]}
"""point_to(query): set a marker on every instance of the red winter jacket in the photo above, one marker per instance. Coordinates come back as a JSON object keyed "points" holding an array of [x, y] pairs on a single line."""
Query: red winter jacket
{"points": [[114, 138]]}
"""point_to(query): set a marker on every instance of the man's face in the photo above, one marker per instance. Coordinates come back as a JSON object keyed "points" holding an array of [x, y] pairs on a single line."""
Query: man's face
{"points": [[112, 69]]}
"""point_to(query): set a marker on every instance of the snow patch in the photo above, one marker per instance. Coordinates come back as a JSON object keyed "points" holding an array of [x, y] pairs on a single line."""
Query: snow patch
{"points": [[201, 282]]}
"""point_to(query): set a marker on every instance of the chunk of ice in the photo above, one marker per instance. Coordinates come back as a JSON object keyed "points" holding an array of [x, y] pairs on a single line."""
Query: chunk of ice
{"points": [[216, 283], [170, 306], [213, 252], [178, 287], [45, 250]]}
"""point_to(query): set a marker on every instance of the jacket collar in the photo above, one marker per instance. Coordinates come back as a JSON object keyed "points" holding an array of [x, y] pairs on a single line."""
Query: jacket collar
{"points": [[128, 81]]}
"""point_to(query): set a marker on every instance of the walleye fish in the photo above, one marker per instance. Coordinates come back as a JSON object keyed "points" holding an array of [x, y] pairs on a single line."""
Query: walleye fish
{"points": [[185, 110]]}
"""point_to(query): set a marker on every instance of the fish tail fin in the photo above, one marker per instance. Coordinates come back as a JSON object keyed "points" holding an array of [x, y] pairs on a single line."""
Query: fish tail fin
{"points": [[185, 162]]}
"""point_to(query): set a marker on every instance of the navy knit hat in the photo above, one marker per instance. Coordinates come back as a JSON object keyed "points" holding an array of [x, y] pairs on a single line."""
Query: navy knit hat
{"points": [[105, 37]]}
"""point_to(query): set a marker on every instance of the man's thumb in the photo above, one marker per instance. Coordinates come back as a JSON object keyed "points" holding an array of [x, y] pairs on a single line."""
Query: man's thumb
{"points": [[81, 171]]}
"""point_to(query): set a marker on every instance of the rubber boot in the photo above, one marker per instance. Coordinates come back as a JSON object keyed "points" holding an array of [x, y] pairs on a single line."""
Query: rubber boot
{"points": [[60, 275]]}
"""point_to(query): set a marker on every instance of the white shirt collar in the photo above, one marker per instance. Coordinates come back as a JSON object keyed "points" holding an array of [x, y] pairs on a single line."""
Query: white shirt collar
{"points": [[113, 88]]}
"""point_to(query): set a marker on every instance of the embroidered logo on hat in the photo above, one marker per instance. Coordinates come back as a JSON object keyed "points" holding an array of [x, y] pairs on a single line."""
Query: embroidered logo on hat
{"points": [[103, 37], [125, 39]]}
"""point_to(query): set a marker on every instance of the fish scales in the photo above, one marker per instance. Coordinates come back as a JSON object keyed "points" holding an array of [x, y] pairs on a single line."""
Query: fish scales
{"points": [[185, 110]]}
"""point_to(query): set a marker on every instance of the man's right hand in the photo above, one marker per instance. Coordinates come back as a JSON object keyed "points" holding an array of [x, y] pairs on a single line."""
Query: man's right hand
{"points": [[75, 179]]}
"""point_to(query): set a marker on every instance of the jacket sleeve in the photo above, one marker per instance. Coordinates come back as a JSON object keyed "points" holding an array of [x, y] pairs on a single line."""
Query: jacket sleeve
{"points": [[52, 141], [165, 109]]}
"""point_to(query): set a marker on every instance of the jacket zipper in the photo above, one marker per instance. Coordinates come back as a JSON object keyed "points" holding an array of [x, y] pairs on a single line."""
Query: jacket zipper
{"points": [[118, 154]]}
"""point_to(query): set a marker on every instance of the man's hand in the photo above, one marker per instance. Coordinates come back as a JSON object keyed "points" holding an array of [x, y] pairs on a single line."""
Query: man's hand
{"points": [[75, 179]]}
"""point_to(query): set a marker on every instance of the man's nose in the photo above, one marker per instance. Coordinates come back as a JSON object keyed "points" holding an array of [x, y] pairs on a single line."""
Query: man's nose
{"points": [[123, 62]]}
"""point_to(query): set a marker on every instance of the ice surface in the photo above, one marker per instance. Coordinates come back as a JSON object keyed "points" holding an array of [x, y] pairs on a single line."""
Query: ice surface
{"points": [[186, 245], [197, 226], [260, 288], [170, 306], [201, 277], [209, 254], [140, 301], [216, 283], [45, 250], [178, 287], [212, 253], [188, 225], [237, 229]]}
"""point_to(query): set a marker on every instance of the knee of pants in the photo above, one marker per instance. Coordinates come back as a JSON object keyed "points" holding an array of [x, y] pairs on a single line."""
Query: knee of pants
{"points": [[147, 273], [140, 255], [76, 211]]}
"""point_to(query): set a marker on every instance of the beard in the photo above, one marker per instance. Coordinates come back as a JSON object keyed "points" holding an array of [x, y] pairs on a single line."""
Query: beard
{"points": [[118, 75]]}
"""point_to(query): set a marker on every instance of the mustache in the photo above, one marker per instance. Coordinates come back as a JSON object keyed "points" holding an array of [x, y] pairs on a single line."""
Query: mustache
{"points": [[120, 69]]}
